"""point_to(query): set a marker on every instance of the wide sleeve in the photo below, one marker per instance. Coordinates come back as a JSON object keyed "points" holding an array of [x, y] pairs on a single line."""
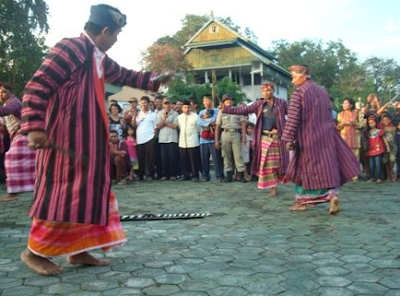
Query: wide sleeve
{"points": [[242, 110], [293, 118], [120, 76], [63, 60]]}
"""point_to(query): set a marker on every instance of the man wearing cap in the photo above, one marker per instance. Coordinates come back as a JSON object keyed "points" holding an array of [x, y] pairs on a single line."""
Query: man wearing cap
{"points": [[19, 160], [233, 129], [270, 157], [321, 161], [64, 116], [132, 111]]}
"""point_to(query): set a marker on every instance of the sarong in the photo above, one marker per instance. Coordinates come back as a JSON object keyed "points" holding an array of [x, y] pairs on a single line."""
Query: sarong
{"points": [[19, 163], [52, 239], [269, 162], [311, 197]]}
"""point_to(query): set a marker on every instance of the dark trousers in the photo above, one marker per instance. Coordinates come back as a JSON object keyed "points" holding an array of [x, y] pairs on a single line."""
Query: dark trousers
{"points": [[206, 150], [169, 159], [145, 155], [157, 158], [190, 162], [398, 165], [119, 167]]}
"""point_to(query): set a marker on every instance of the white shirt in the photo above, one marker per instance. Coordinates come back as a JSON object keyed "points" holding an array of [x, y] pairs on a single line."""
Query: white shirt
{"points": [[146, 123], [98, 57], [189, 130], [166, 134]]}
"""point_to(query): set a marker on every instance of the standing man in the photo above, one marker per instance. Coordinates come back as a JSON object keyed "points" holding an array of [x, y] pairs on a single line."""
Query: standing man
{"points": [[270, 157], [233, 134], [167, 124], [189, 151], [158, 103], [321, 161], [64, 115], [206, 122], [145, 124], [19, 160]]}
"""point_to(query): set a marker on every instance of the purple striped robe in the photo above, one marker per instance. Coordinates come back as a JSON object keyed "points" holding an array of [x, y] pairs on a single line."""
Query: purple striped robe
{"points": [[257, 108], [322, 159], [73, 180]]}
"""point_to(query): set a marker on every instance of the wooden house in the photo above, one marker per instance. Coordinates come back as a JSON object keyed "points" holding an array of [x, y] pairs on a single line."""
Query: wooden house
{"points": [[217, 47]]}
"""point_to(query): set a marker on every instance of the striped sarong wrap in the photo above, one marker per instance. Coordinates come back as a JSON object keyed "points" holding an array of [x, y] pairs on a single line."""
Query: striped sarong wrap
{"points": [[312, 197], [52, 239], [19, 163], [269, 162]]}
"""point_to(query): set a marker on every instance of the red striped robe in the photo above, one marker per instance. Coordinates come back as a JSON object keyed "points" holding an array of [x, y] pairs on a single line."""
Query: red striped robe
{"points": [[73, 181], [322, 160], [280, 110]]}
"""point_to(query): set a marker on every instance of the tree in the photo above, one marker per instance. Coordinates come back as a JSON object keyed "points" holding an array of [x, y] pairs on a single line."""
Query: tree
{"points": [[385, 76], [332, 65], [160, 57], [21, 45]]}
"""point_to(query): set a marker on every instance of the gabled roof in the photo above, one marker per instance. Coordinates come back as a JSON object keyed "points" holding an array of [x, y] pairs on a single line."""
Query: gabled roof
{"points": [[236, 38]]}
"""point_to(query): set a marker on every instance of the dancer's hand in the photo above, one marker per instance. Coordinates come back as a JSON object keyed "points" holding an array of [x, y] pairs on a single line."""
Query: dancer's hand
{"points": [[38, 140]]}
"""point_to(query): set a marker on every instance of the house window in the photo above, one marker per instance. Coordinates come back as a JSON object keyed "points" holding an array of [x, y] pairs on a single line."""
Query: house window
{"points": [[247, 79], [214, 29]]}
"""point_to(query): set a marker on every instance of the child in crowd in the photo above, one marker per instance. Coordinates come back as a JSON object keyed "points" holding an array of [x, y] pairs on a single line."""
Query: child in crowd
{"points": [[398, 151], [247, 150], [376, 143], [131, 143], [389, 158]]}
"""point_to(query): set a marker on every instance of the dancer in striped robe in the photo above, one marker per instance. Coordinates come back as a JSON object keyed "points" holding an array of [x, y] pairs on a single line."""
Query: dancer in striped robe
{"points": [[321, 161], [64, 116], [270, 157]]}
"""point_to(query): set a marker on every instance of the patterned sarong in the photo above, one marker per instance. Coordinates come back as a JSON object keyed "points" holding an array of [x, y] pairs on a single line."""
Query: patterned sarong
{"points": [[51, 239], [19, 163], [269, 162], [311, 197]]}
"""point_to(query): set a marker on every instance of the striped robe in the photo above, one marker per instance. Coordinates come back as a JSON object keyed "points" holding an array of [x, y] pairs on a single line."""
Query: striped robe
{"points": [[257, 108], [73, 178], [322, 160]]}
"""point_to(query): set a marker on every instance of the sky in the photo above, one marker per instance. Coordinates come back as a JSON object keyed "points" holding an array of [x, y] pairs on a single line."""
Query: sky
{"points": [[366, 27]]}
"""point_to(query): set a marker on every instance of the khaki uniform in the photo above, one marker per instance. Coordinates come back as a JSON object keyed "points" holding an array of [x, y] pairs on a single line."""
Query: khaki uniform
{"points": [[231, 141]]}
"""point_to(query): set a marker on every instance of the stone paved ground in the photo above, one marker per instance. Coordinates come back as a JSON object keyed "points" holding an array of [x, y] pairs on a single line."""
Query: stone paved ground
{"points": [[251, 245]]}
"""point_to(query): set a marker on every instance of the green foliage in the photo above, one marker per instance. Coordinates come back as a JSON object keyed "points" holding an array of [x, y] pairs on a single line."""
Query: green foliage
{"points": [[180, 90], [338, 69], [21, 46]]}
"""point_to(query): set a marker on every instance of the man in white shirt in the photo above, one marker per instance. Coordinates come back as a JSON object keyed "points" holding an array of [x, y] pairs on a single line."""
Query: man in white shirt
{"points": [[189, 145], [145, 123]]}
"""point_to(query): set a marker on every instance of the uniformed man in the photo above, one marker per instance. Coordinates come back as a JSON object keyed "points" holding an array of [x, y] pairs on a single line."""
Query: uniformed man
{"points": [[233, 133]]}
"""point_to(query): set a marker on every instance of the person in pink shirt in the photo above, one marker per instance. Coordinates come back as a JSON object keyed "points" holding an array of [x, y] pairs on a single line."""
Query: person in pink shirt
{"points": [[131, 143]]}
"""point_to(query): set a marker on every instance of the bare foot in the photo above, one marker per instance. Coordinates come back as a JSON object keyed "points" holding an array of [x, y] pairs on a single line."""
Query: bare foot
{"points": [[9, 197], [334, 206], [87, 259], [274, 191], [298, 207], [39, 264]]}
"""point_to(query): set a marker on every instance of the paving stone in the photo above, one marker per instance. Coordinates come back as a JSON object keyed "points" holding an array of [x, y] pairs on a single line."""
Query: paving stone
{"points": [[368, 288], [60, 288], [170, 279], [122, 292], [21, 291], [161, 290], [99, 285], [40, 281], [332, 291], [201, 286], [7, 282], [359, 267], [385, 263], [332, 281], [259, 288], [332, 271], [139, 282], [228, 291], [390, 282]]}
